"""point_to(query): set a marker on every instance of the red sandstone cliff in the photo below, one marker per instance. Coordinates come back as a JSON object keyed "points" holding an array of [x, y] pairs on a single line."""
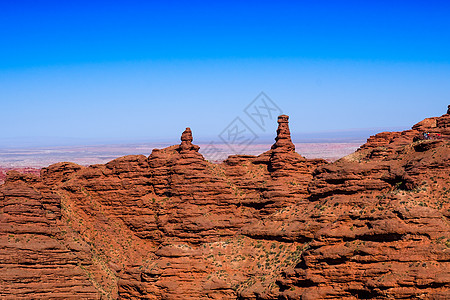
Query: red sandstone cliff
{"points": [[374, 224]]}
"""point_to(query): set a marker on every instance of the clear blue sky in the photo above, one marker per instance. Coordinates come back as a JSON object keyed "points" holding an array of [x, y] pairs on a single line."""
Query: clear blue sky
{"points": [[143, 70]]}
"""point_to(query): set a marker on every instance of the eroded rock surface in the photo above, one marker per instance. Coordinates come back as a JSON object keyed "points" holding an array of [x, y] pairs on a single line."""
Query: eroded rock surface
{"points": [[374, 224]]}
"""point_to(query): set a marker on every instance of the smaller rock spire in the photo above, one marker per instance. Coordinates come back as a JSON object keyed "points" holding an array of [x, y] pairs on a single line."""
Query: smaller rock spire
{"points": [[186, 142], [448, 110], [283, 142]]}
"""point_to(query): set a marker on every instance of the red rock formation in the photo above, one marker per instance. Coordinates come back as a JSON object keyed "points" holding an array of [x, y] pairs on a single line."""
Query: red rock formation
{"points": [[283, 142], [3, 172], [275, 226], [436, 128], [186, 145], [39, 254]]}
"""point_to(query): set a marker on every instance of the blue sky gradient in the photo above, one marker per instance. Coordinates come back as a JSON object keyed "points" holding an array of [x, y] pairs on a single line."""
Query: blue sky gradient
{"points": [[142, 70]]}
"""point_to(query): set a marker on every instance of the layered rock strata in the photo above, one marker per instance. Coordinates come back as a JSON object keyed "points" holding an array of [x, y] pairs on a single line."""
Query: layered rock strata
{"points": [[374, 224]]}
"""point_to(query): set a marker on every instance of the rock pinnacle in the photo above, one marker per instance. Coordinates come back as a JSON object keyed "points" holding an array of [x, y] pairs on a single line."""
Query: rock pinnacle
{"points": [[186, 142], [283, 142]]}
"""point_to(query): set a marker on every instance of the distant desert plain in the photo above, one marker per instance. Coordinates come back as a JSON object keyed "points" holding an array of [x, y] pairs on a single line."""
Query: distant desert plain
{"points": [[31, 160]]}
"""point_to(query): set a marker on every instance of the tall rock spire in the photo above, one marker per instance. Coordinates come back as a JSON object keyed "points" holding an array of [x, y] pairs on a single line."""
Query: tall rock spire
{"points": [[287, 167], [283, 156], [283, 142]]}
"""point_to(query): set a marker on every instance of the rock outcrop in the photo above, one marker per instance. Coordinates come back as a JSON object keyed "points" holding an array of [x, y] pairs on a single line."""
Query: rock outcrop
{"points": [[383, 144], [40, 256], [3, 172], [374, 224], [186, 145]]}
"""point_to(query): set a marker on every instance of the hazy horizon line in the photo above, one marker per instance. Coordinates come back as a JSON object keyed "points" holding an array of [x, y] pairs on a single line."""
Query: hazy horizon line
{"points": [[331, 136]]}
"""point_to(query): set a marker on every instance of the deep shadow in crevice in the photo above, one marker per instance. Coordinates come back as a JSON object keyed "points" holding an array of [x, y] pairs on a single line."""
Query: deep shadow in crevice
{"points": [[363, 294]]}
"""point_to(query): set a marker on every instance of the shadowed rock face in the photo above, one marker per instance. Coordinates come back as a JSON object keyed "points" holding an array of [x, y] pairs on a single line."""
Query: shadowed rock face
{"points": [[374, 224]]}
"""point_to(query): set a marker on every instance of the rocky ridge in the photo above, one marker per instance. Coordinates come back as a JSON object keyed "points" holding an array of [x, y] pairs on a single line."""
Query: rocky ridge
{"points": [[374, 224]]}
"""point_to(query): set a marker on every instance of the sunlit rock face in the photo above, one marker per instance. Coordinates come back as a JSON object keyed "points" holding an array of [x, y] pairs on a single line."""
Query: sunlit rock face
{"points": [[374, 224]]}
